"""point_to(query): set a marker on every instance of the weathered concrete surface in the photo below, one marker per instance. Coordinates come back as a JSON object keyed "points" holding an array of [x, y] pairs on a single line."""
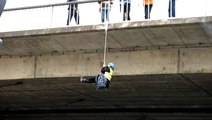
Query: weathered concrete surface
{"points": [[76, 64], [152, 61], [16, 68], [195, 60], [157, 61], [187, 32], [128, 63]]}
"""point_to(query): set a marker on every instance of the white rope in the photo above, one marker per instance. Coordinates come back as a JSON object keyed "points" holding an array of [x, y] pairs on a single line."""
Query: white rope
{"points": [[106, 28], [105, 47]]}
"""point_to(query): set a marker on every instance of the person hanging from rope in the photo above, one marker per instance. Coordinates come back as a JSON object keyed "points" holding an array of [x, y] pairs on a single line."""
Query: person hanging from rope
{"points": [[102, 81]]}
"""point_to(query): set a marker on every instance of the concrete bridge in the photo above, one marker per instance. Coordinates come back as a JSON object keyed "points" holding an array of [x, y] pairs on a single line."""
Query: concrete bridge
{"points": [[138, 48], [163, 68]]}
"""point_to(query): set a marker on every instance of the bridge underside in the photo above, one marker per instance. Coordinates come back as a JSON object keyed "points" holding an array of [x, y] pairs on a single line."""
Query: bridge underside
{"points": [[145, 97], [180, 33]]}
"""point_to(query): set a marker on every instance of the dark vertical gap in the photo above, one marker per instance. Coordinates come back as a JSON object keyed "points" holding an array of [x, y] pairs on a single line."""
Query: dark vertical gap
{"points": [[35, 67], [178, 61]]}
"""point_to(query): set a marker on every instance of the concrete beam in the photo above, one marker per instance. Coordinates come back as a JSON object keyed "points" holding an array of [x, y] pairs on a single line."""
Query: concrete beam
{"points": [[156, 61], [128, 63], [195, 60], [153, 61], [17, 68], [75, 64]]}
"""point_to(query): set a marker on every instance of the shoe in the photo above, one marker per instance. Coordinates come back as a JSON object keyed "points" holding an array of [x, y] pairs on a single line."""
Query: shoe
{"points": [[82, 79]]}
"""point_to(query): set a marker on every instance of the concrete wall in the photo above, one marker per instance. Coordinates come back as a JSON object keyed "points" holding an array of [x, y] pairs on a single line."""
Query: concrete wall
{"points": [[195, 60], [75, 64], [158, 61], [138, 62], [15, 68], [155, 61]]}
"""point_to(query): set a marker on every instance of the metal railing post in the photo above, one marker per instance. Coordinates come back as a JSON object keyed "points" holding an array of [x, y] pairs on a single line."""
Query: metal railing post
{"points": [[148, 10]]}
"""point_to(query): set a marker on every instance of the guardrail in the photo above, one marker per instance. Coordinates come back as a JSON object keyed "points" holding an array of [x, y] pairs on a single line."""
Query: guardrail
{"points": [[58, 15]]}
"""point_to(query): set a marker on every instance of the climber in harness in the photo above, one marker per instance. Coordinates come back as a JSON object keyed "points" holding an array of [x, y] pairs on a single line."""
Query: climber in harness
{"points": [[102, 81]]}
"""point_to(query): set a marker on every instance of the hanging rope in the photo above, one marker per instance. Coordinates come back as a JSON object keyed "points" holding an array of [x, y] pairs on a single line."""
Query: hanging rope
{"points": [[106, 16], [105, 47]]}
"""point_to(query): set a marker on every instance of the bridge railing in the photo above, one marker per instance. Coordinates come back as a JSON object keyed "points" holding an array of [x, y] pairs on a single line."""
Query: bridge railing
{"points": [[56, 15]]}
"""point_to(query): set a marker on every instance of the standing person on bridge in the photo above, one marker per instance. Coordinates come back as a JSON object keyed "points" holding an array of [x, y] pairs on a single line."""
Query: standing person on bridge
{"points": [[126, 11], [147, 8], [73, 11], [102, 81], [171, 8], [104, 9], [2, 5]]}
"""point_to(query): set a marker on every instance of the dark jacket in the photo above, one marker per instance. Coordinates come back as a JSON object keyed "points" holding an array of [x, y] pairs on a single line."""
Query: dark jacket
{"points": [[105, 69]]}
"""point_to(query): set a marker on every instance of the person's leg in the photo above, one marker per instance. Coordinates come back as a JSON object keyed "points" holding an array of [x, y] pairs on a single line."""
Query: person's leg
{"points": [[128, 11], [71, 15], [173, 8], [76, 16], [124, 11], [149, 11], [68, 17], [107, 14], [146, 11], [120, 7], [103, 15], [169, 8], [107, 84], [88, 80]]}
